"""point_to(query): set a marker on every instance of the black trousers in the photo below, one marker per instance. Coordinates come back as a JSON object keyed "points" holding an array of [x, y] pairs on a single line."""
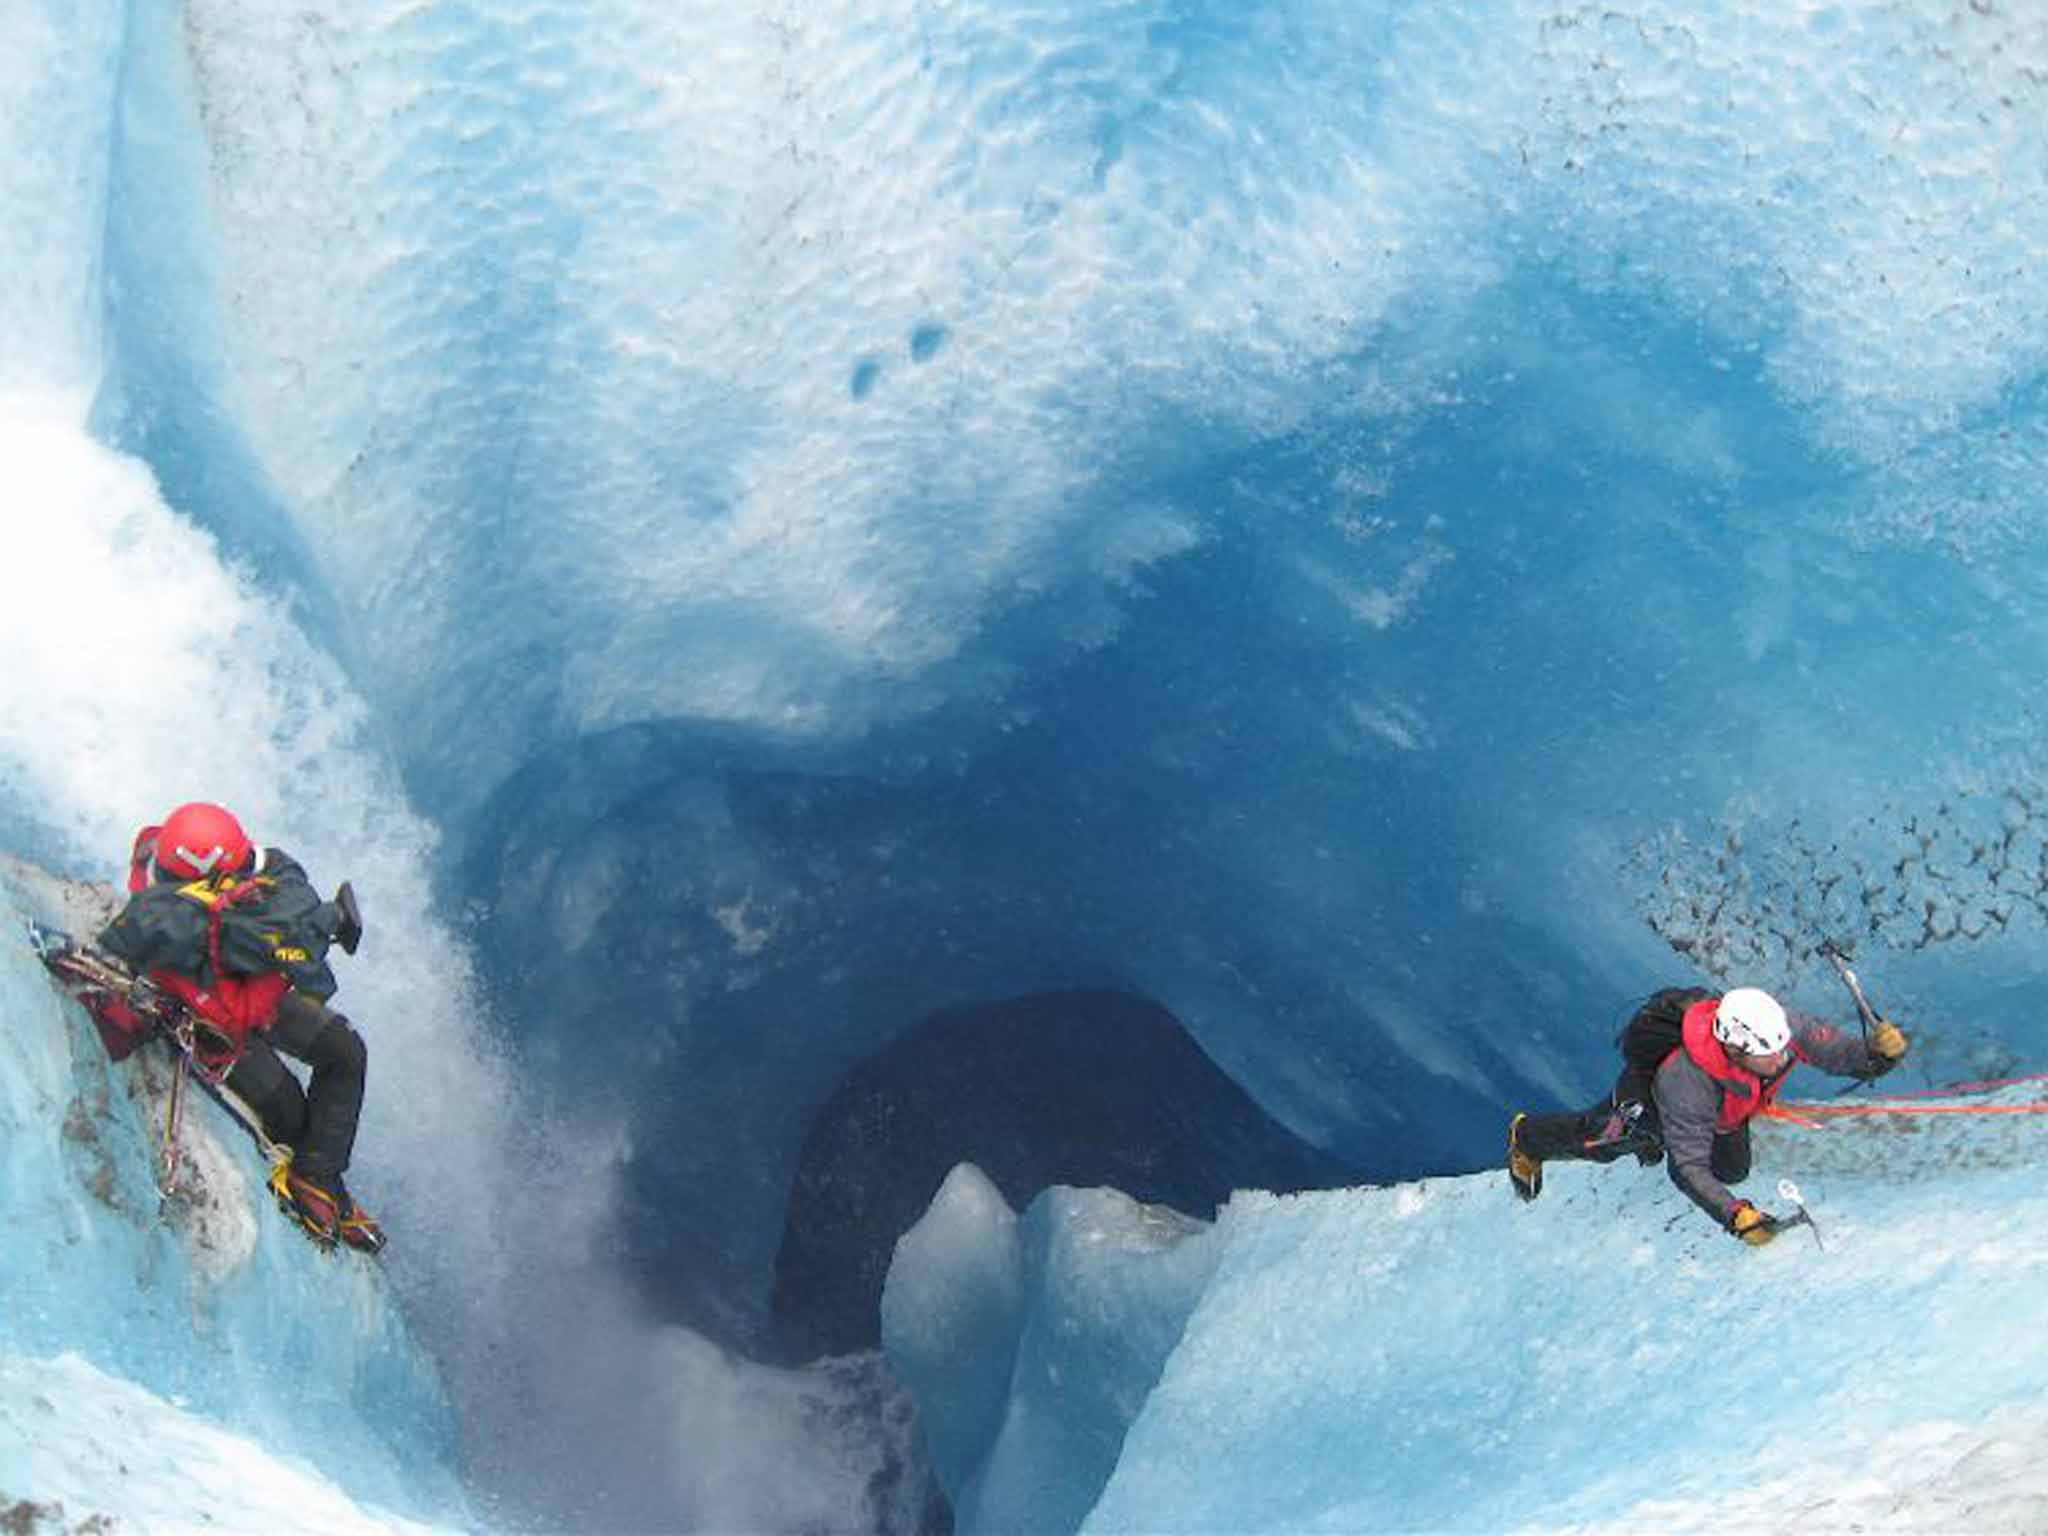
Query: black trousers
{"points": [[1598, 1133], [318, 1122], [1617, 1126]]}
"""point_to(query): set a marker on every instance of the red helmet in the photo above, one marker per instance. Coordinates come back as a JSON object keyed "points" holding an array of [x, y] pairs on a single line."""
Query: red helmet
{"points": [[201, 839]]}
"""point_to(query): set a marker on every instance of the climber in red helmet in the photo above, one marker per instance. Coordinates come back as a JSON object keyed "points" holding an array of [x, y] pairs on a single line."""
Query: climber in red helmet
{"points": [[239, 936]]}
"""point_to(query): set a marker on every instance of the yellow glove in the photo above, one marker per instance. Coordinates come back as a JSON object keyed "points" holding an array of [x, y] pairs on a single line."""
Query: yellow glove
{"points": [[1888, 1040], [1753, 1226]]}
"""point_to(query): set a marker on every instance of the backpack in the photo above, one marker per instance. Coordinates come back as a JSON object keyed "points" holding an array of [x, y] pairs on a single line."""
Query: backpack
{"points": [[276, 921], [229, 947], [1653, 1032]]}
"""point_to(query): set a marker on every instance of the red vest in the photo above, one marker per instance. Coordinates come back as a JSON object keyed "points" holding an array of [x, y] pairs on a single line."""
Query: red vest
{"points": [[1743, 1094]]}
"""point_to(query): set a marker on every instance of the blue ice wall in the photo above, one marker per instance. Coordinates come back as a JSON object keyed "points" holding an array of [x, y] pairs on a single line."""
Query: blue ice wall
{"points": [[1530, 395]]}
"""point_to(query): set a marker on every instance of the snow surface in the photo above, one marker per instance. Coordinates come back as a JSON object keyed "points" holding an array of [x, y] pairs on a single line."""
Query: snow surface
{"points": [[1437, 1357], [96, 1453]]}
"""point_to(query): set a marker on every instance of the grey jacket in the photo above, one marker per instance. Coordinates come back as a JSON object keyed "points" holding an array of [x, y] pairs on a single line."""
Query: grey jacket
{"points": [[1689, 1105]]}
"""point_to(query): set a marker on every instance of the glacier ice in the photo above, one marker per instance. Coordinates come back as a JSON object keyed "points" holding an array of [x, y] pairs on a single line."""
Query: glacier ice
{"points": [[94, 1447], [1435, 1356]]}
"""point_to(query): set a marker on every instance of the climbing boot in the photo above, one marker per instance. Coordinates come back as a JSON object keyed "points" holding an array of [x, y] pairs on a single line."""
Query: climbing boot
{"points": [[1524, 1171], [325, 1211], [313, 1206], [359, 1229]]}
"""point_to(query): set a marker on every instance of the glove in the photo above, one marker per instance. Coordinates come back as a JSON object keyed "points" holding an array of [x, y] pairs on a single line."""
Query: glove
{"points": [[1888, 1041], [1753, 1226], [348, 918]]}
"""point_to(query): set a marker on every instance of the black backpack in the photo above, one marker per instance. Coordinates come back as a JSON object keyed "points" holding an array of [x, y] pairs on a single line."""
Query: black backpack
{"points": [[1653, 1032], [273, 921]]}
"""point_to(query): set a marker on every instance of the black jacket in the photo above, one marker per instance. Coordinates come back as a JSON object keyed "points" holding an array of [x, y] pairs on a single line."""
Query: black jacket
{"points": [[282, 926]]}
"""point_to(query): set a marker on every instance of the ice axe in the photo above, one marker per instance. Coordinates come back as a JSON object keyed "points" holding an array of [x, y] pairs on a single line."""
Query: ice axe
{"points": [[1840, 962], [1789, 1192], [59, 952]]}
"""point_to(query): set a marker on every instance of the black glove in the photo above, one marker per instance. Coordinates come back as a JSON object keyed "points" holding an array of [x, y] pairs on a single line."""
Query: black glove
{"points": [[348, 919], [1753, 1226]]}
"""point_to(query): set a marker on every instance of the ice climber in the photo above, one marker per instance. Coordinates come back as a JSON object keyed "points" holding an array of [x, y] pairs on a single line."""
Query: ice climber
{"points": [[237, 934], [1698, 1067]]}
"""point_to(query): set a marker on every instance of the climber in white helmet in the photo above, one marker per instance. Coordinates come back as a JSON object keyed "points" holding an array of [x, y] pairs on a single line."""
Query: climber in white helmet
{"points": [[1699, 1066]]}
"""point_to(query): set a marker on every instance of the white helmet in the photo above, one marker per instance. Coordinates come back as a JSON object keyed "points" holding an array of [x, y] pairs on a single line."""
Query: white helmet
{"points": [[1752, 1021]]}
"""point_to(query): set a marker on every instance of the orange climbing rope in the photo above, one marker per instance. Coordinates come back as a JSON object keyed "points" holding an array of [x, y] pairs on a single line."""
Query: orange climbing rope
{"points": [[1810, 1114]]}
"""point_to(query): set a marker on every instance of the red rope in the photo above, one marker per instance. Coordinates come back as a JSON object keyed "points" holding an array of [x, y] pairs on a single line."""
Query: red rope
{"points": [[1798, 1113]]}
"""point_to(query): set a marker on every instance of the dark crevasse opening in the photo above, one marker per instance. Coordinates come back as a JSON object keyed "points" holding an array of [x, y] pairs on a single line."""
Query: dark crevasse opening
{"points": [[1084, 1088]]}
